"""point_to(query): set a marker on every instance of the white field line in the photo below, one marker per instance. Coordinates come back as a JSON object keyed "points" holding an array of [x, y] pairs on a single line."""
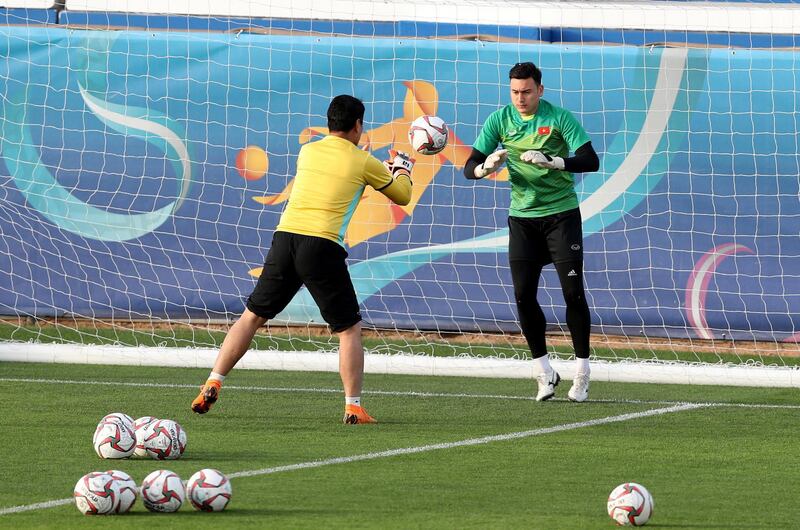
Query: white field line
{"points": [[413, 450], [37, 506], [398, 393]]}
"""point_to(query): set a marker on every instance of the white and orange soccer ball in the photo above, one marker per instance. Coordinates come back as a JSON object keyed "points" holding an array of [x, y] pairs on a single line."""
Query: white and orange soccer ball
{"points": [[428, 135], [96, 494], [164, 440], [139, 428], [630, 504], [162, 491], [209, 490], [114, 437]]}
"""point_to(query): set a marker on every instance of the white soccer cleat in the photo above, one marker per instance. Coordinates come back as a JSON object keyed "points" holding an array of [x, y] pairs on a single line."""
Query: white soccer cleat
{"points": [[580, 388], [547, 385]]}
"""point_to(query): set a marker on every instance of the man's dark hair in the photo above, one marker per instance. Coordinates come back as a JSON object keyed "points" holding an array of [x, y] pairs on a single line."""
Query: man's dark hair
{"points": [[526, 71], [343, 113]]}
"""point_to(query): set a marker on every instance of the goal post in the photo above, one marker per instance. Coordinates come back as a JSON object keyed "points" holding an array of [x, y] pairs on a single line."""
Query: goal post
{"points": [[147, 156]]}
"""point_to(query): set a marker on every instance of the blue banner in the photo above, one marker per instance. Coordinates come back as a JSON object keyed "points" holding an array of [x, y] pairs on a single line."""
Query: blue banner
{"points": [[143, 174]]}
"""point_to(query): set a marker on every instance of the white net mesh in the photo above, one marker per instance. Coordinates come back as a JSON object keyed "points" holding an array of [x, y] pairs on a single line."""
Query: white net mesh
{"points": [[146, 166]]}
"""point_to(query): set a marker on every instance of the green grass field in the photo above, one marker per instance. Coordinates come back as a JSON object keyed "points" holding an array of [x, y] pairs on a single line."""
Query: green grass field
{"points": [[732, 461]]}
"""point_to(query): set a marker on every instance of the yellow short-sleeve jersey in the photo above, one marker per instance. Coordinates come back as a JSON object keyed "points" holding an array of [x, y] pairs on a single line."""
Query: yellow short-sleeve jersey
{"points": [[331, 176]]}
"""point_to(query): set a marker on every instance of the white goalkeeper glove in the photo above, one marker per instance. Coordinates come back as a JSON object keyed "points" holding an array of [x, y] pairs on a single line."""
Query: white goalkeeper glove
{"points": [[491, 164], [544, 160], [399, 163]]}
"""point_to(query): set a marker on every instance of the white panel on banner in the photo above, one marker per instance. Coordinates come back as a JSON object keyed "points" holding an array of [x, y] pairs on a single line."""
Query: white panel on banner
{"points": [[28, 4], [680, 16]]}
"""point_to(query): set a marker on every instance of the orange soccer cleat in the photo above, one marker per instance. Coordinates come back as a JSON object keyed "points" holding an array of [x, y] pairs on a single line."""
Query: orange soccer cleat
{"points": [[209, 393], [354, 414]]}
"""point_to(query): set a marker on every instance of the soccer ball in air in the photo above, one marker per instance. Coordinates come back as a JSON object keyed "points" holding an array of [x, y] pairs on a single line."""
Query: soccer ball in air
{"points": [[139, 428], [162, 491], [209, 490], [128, 490], [428, 135], [114, 438], [96, 494], [630, 504], [164, 440]]}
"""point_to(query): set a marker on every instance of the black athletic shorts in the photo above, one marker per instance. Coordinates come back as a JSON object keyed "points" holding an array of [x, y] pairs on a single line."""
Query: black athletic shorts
{"points": [[319, 264], [551, 239]]}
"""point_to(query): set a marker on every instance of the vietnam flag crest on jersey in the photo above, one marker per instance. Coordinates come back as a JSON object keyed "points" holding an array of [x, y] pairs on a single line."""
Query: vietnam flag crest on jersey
{"points": [[543, 131]]}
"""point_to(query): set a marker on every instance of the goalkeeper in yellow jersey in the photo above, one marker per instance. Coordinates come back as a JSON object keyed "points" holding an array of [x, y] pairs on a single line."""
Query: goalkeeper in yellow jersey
{"points": [[308, 249], [544, 220]]}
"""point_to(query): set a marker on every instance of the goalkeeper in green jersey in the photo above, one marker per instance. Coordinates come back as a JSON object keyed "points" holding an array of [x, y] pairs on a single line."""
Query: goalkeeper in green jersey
{"points": [[536, 138]]}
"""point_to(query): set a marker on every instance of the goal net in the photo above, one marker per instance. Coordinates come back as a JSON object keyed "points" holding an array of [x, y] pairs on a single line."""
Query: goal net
{"points": [[148, 152]]}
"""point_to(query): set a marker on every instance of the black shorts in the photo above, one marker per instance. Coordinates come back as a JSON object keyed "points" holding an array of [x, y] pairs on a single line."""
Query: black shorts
{"points": [[554, 238], [319, 264]]}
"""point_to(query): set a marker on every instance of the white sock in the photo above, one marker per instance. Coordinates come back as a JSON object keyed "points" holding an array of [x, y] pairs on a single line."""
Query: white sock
{"points": [[582, 366], [216, 376], [544, 364], [352, 400]]}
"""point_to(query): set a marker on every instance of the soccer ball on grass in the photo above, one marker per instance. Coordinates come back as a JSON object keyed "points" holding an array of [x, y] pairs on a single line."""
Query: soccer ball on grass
{"points": [[139, 429], [164, 440], [209, 490], [630, 504], [162, 491], [96, 494], [128, 490], [114, 438]]}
